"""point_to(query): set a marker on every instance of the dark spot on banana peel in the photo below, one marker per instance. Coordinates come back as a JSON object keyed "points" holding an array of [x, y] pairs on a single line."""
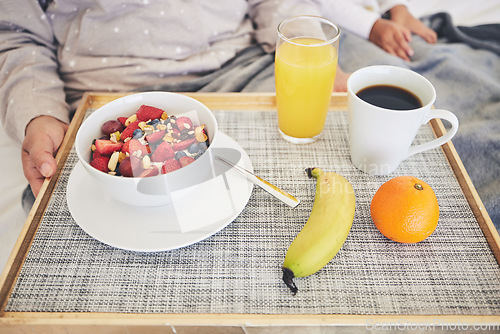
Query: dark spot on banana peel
{"points": [[288, 276]]}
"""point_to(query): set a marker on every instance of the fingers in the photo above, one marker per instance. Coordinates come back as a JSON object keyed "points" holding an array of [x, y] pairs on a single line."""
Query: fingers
{"points": [[399, 47], [393, 38], [38, 160], [416, 26], [430, 36], [425, 32], [41, 154], [43, 137], [32, 174]]}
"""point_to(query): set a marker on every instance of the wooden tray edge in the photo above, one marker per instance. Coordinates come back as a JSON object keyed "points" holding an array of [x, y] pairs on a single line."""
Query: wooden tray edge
{"points": [[23, 243], [235, 319], [485, 223]]}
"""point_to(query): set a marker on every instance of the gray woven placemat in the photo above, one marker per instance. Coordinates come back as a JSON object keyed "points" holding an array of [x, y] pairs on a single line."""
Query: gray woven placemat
{"points": [[238, 270]]}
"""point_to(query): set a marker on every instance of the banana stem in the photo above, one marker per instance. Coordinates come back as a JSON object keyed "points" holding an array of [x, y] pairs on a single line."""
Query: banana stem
{"points": [[313, 172], [288, 276]]}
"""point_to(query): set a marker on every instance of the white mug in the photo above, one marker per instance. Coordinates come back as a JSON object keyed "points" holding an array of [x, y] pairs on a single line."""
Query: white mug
{"points": [[381, 138]]}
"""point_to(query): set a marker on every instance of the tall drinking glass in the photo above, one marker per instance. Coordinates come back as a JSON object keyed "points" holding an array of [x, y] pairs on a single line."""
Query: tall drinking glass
{"points": [[305, 68]]}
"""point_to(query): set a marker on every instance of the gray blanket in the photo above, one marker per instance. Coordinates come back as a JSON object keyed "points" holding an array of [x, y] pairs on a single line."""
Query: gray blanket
{"points": [[464, 67]]}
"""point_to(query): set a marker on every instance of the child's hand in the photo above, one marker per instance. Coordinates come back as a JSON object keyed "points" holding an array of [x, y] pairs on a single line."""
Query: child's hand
{"points": [[401, 15], [392, 37]]}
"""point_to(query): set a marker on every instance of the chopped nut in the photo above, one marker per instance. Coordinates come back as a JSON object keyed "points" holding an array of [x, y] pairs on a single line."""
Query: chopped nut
{"points": [[131, 119], [112, 173], [115, 137], [164, 116], [168, 137], [113, 161], [122, 156], [149, 129], [93, 148], [161, 127], [146, 162], [142, 125]]}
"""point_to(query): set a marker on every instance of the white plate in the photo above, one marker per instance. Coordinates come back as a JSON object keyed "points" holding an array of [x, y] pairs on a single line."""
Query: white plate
{"points": [[195, 213]]}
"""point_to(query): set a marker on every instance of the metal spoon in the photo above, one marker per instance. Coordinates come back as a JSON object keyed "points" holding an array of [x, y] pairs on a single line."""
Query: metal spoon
{"points": [[270, 188]]}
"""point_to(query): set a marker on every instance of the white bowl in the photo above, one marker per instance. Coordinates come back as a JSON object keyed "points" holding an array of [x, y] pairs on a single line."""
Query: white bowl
{"points": [[154, 190]]}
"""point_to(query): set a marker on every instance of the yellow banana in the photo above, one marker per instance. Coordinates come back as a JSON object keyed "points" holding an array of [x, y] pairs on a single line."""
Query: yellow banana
{"points": [[326, 229]]}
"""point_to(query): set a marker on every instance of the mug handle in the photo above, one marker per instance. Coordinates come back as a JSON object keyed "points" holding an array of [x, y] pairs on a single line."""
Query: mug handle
{"points": [[437, 113]]}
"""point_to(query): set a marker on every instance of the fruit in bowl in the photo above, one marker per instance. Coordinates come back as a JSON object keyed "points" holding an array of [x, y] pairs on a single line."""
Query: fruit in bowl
{"points": [[148, 143], [142, 147]]}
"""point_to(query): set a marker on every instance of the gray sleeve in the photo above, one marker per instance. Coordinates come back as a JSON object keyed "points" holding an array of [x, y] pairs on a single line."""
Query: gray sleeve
{"points": [[29, 82]]}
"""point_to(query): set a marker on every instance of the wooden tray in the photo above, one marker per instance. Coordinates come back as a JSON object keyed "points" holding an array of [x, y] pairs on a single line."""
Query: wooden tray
{"points": [[232, 101]]}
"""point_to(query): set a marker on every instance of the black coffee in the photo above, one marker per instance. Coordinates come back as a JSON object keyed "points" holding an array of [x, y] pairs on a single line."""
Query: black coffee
{"points": [[390, 97]]}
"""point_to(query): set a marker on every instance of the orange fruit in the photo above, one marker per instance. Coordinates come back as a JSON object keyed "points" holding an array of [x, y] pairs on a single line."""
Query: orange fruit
{"points": [[405, 209]]}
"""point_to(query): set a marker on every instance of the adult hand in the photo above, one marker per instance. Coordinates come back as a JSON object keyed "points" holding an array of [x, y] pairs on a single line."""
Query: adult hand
{"points": [[401, 15], [392, 37], [43, 138]]}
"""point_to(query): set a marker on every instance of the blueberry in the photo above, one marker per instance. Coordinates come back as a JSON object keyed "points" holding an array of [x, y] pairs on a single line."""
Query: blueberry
{"points": [[179, 155], [202, 147], [137, 134], [193, 148], [154, 122]]}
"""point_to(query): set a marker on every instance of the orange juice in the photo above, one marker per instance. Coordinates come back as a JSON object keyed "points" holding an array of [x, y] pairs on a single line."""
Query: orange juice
{"points": [[305, 75]]}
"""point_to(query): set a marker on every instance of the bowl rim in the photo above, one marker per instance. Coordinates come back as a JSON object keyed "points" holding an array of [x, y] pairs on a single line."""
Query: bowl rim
{"points": [[120, 100]]}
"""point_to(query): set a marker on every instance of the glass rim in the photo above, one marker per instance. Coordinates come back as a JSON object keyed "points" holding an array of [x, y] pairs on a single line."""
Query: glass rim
{"points": [[319, 18]]}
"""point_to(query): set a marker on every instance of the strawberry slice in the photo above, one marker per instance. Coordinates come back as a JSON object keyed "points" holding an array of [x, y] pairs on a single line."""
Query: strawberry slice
{"points": [[107, 147], [184, 123], [100, 163], [146, 113], [183, 144], [185, 161], [122, 120], [134, 145], [96, 155], [170, 165], [129, 130], [151, 171], [155, 136], [163, 152]]}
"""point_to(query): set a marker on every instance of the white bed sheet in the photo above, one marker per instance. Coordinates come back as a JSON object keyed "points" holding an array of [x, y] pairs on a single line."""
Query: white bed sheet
{"points": [[12, 216]]}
